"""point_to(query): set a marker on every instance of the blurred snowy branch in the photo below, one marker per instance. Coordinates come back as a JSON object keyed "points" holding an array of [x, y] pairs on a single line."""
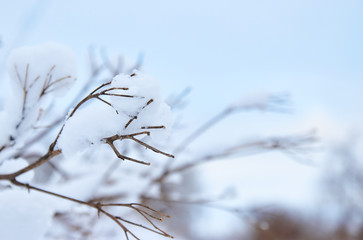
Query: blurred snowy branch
{"points": [[290, 143]]}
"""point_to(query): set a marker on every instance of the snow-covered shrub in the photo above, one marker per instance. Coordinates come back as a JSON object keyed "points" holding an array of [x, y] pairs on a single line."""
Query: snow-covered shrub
{"points": [[78, 155], [126, 110]]}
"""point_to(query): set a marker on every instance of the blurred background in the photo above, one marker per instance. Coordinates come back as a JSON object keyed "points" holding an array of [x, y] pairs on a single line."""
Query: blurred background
{"points": [[222, 51]]}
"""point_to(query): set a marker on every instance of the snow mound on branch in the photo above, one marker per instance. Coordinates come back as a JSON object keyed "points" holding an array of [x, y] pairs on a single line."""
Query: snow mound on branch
{"points": [[144, 88], [87, 127], [38, 74], [134, 97], [50, 65]]}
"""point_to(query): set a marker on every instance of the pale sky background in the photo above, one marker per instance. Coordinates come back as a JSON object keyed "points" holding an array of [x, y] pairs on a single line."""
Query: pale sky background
{"points": [[311, 49], [222, 49]]}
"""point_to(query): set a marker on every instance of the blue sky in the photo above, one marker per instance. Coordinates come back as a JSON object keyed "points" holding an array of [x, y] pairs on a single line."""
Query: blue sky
{"points": [[221, 49]]}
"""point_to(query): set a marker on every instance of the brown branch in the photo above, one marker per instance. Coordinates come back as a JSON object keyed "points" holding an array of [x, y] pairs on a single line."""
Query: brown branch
{"points": [[149, 146], [9, 144], [116, 88], [136, 134], [153, 127], [117, 95], [96, 95], [104, 101], [99, 207], [119, 155], [240, 213], [108, 198], [25, 92], [138, 225], [46, 89], [130, 121], [138, 208], [101, 86], [34, 81], [56, 81], [142, 210], [135, 117], [110, 141], [49, 155], [90, 96]]}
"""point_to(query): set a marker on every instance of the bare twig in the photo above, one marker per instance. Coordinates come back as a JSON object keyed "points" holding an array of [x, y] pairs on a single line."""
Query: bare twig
{"points": [[100, 209], [284, 144], [49, 155], [137, 114], [110, 141]]}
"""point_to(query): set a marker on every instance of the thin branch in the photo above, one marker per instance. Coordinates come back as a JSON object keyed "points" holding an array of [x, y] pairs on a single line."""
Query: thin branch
{"points": [[104, 101], [241, 214], [117, 95], [99, 207], [138, 225], [119, 155], [135, 117], [49, 155], [110, 141], [282, 143], [138, 208], [150, 147], [153, 127], [34, 81], [90, 96]]}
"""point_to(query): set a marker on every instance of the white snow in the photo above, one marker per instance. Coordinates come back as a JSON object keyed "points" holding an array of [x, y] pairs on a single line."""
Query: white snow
{"points": [[13, 165], [48, 61], [38, 74], [97, 120], [24, 215]]}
